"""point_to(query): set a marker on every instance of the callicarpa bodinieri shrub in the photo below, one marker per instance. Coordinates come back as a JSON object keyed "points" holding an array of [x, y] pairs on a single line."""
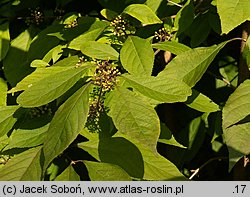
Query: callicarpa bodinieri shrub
{"points": [[124, 90]]}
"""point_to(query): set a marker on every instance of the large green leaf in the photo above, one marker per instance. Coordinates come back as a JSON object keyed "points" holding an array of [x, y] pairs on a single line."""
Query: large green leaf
{"points": [[4, 39], [236, 124], [68, 121], [30, 133], [134, 116], [199, 30], [232, 13], [15, 64], [201, 102], [42, 72], [237, 106], [25, 166], [148, 164], [156, 167], [166, 137], [43, 42], [184, 17], [174, 47], [118, 151], [192, 64], [106, 172], [142, 13], [153, 4], [99, 50], [91, 35], [69, 174], [52, 86], [237, 140], [6, 118], [3, 92], [164, 89], [137, 56]]}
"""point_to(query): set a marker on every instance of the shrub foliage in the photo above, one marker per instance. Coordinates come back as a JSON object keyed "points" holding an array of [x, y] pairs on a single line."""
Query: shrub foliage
{"points": [[124, 90]]}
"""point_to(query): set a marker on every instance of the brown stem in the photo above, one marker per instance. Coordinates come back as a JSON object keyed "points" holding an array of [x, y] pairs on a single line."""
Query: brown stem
{"points": [[243, 67], [195, 172]]}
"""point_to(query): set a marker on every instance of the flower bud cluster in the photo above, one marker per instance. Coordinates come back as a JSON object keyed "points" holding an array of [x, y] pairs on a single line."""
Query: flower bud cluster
{"points": [[119, 26], [36, 18], [162, 35], [106, 76], [95, 109], [39, 111], [72, 24], [80, 61]]}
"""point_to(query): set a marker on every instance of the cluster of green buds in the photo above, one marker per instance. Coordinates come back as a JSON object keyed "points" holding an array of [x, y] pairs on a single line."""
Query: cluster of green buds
{"points": [[119, 26], [106, 75], [36, 18], [163, 35], [39, 111], [72, 24]]}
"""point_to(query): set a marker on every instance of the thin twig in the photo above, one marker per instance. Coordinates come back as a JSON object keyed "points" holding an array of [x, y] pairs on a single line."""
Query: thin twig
{"points": [[75, 162], [175, 3], [157, 51], [195, 172]]}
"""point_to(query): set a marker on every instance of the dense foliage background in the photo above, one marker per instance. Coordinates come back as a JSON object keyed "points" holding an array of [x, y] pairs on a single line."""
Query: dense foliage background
{"points": [[124, 90]]}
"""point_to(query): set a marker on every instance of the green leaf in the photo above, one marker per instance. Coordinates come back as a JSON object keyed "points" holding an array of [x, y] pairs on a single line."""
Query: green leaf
{"points": [[237, 140], [166, 137], [4, 39], [69, 174], [118, 151], [99, 50], [88, 36], [15, 64], [192, 136], [153, 4], [142, 13], [41, 73], [43, 42], [39, 64], [3, 92], [199, 30], [106, 172], [237, 106], [171, 46], [184, 17], [25, 166], [4, 140], [51, 87], [31, 133], [189, 66], [6, 118], [91, 34], [143, 163], [134, 116], [66, 124], [166, 90], [201, 102], [137, 56], [232, 13], [156, 167], [57, 52], [108, 14]]}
